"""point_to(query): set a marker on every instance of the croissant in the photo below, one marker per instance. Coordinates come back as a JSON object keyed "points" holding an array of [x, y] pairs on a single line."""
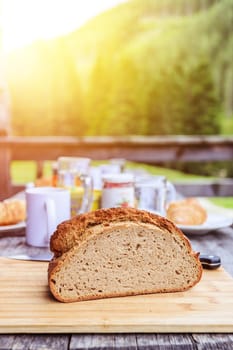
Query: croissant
{"points": [[12, 212], [186, 212]]}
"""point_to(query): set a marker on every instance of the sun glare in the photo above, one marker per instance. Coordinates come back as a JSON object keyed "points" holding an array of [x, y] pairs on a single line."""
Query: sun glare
{"points": [[24, 21]]}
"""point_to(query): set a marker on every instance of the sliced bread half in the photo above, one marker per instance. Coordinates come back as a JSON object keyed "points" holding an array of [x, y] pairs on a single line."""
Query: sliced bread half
{"points": [[120, 252]]}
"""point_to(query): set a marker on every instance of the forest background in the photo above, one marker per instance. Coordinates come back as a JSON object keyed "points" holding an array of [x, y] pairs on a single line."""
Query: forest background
{"points": [[145, 67]]}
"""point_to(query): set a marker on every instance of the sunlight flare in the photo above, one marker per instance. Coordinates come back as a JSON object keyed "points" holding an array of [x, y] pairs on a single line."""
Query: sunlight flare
{"points": [[24, 21]]}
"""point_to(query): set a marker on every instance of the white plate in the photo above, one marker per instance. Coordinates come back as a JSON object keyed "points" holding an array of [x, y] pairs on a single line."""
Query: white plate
{"points": [[214, 222], [18, 226]]}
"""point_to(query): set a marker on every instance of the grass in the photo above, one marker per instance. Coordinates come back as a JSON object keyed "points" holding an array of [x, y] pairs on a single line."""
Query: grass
{"points": [[226, 202], [23, 172], [227, 125], [171, 175]]}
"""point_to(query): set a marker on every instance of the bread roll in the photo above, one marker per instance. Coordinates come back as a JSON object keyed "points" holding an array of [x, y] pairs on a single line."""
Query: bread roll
{"points": [[12, 212], [43, 181], [120, 252], [186, 212]]}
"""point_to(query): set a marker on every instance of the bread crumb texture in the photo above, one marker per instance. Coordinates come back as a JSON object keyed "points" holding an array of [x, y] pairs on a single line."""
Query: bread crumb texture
{"points": [[128, 252]]}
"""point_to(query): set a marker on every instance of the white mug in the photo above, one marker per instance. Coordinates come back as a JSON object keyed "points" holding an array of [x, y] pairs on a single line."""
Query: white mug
{"points": [[46, 208]]}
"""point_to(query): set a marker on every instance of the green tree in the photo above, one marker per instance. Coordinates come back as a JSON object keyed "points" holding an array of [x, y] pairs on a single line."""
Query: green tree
{"points": [[46, 95], [97, 100]]}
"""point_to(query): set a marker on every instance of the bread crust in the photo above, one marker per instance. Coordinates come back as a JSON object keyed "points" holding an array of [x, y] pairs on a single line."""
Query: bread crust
{"points": [[73, 234]]}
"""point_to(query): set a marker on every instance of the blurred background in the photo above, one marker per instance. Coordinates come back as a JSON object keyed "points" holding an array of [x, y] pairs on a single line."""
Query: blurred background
{"points": [[137, 67]]}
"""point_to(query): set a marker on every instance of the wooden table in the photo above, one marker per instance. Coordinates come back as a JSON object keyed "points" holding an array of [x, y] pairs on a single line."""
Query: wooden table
{"points": [[217, 242]]}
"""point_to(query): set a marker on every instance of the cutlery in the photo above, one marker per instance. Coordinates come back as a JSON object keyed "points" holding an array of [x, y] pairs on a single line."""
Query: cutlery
{"points": [[38, 257], [210, 262]]}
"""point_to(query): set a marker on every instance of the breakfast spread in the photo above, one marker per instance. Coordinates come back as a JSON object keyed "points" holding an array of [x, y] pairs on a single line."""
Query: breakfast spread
{"points": [[12, 212], [186, 212], [120, 252]]}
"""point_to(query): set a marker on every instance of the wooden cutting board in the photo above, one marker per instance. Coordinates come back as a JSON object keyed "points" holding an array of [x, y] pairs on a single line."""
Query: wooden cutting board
{"points": [[27, 306]]}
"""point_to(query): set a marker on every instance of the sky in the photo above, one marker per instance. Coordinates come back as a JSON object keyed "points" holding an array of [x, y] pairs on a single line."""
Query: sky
{"points": [[23, 21]]}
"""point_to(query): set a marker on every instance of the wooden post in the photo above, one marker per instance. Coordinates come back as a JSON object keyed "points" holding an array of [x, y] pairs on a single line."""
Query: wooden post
{"points": [[5, 176], [4, 93]]}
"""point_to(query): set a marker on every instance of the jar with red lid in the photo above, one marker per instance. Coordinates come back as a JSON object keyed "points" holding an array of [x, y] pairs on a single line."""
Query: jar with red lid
{"points": [[118, 191]]}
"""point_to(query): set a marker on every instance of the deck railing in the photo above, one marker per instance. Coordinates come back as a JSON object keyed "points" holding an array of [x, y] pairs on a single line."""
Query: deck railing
{"points": [[149, 150]]}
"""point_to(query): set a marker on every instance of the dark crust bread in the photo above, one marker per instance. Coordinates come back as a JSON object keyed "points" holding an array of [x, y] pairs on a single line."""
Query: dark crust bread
{"points": [[72, 232]]}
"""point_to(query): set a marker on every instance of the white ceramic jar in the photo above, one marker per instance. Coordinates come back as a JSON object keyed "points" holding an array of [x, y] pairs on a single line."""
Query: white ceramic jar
{"points": [[118, 191]]}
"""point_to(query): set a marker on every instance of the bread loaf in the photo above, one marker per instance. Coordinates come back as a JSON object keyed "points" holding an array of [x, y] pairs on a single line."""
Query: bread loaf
{"points": [[119, 252], [12, 212]]}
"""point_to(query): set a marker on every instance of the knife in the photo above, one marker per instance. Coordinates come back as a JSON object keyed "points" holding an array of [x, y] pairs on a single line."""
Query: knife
{"points": [[210, 262], [38, 257]]}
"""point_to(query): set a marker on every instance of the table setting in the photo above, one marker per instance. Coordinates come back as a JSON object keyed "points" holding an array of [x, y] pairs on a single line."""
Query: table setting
{"points": [[112, 184], [25, 249]]}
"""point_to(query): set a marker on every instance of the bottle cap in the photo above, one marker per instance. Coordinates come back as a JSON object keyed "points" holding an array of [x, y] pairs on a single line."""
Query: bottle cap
{"points": [[118, 178]]}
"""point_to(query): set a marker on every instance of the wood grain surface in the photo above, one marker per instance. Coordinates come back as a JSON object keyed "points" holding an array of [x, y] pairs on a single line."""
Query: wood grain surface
{"points": [[216, 242], [26, 305]]}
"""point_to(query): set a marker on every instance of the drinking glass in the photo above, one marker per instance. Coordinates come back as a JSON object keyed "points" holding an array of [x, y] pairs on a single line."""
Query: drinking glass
{"points": [[154, 193], [73, 174]]}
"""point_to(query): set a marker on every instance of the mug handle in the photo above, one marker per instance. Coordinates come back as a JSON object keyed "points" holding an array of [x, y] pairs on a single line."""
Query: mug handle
{"points": [[171, 193], [51, 218], [87, 199]]}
